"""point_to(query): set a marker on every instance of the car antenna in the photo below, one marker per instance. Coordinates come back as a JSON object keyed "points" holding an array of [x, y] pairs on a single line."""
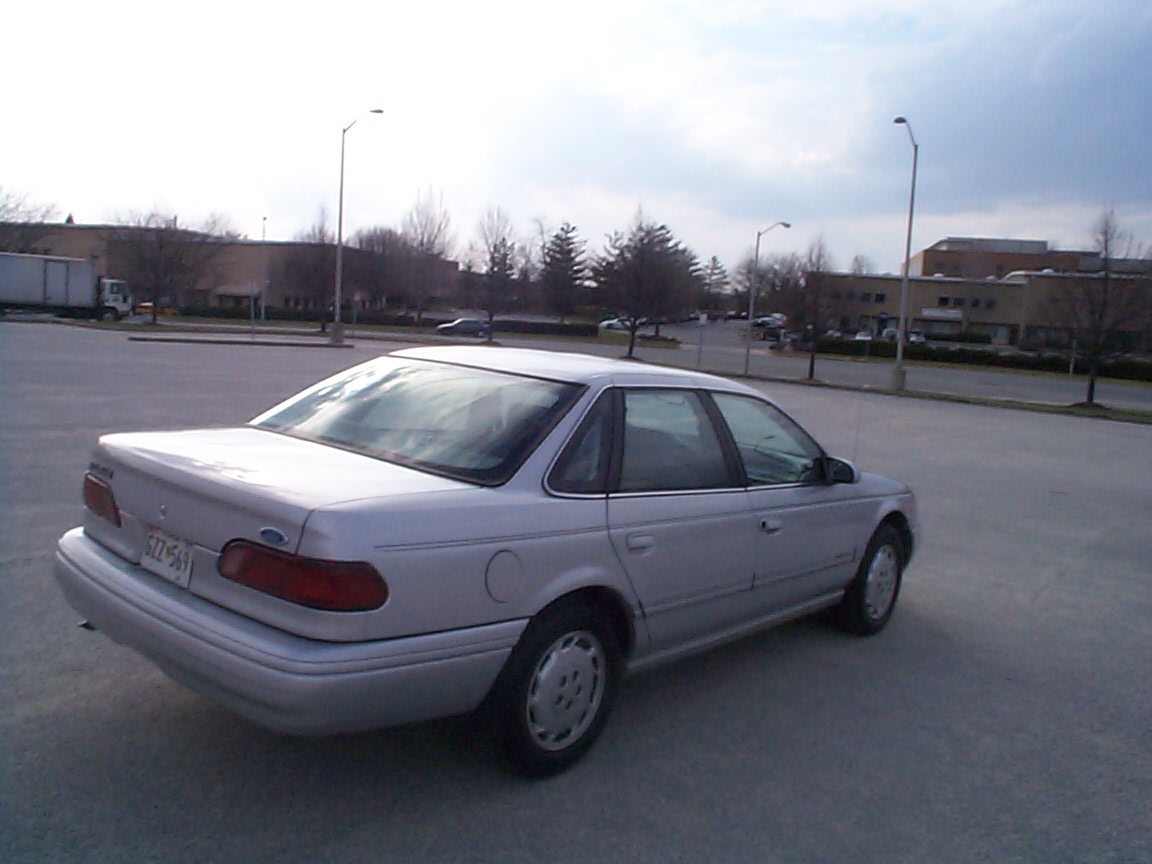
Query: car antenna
{"points": [[859, 417]]}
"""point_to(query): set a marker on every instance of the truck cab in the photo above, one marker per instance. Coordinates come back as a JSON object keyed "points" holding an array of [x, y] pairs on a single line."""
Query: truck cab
{"points": [[115, 297]]}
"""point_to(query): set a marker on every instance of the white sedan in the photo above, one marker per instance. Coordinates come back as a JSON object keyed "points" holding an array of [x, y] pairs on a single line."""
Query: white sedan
{"points": [[473, 529]]}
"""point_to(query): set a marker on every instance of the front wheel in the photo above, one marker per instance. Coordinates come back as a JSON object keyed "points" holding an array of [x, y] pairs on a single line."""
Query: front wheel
{"points": [[871, 596], [554, 694]]}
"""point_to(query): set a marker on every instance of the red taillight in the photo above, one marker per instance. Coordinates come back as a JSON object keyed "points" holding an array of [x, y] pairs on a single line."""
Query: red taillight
{"points": [[98, 498], [338, 586]]}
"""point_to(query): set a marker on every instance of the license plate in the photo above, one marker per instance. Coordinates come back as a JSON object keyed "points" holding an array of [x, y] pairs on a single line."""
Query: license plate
{"points": [[168, 556]]}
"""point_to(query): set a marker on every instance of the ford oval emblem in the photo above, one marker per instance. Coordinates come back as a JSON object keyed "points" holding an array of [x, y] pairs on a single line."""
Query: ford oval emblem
{"points": [[273, 536]]}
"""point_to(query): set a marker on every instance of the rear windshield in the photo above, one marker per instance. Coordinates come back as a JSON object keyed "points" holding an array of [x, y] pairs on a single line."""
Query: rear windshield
{"points": [[470, 424]]}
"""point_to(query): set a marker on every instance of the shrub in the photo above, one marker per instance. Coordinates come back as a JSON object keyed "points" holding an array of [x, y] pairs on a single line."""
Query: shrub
{"points": [[385, 318], [970, 338]]}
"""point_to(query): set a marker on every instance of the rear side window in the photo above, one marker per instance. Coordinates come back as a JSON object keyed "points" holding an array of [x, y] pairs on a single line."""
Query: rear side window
{"points": [[669, 443], [583, 466]]}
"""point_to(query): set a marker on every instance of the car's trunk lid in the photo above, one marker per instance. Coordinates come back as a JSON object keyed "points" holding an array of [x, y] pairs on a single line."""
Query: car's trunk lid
{"points": [[212, 486]]}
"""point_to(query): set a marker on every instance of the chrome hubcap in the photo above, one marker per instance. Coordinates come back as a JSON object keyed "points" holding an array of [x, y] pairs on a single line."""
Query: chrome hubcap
{"points": [[880, 584], [566, 689]]}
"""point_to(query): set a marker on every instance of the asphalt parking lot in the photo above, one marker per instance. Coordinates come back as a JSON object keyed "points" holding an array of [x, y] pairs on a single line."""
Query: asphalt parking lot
{"points": [[1003, 716]]}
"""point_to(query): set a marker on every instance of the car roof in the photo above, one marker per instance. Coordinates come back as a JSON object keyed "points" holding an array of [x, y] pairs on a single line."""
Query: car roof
{"points": [[584, 369]]}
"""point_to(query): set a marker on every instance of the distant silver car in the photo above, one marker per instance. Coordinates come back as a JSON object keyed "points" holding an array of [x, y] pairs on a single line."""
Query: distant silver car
{"points": [[455, 529]]}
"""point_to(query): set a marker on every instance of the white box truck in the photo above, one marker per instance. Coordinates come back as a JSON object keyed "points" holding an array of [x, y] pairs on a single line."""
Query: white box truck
{"points": [[65, 286]]}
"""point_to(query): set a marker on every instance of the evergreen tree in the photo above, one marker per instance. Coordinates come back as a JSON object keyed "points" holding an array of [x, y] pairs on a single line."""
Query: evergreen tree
{"points": [[647, 273], [564, 272], [715, 285]]}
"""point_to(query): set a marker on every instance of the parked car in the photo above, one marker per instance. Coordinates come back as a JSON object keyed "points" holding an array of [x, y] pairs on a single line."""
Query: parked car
{"points": [[464, 327], [863, 336], [776, 319], [446, 530], [625, 323], [916, 337]]}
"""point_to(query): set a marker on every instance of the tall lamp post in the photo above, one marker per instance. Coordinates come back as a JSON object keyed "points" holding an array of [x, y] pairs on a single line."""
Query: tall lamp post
{"points": [[898, 373], [337, 336], [263, 266], [752, 288]]}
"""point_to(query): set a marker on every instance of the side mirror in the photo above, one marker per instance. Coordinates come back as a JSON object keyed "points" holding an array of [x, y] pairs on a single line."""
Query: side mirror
{"points": [[841, 471]]}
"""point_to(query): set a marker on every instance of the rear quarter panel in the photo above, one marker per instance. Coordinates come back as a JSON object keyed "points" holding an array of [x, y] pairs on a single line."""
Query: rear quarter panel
{"points": [[472, 557]]}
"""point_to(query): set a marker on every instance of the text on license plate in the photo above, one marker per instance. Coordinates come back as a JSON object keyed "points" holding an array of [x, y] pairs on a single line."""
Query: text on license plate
{"points": [[168, 556]]}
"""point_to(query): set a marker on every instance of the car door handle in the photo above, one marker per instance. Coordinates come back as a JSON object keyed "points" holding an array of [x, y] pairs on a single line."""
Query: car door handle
{"points": [[771, 526], [640, 542]]}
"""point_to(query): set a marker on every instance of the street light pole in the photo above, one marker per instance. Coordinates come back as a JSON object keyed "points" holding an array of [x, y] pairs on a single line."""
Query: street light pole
{"points": [[263, 266], [898, 374], [752, 289], [337, 336]]}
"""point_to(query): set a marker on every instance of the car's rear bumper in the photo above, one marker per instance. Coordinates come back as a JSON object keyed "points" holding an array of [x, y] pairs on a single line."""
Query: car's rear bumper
{"points": [[273, 678]]}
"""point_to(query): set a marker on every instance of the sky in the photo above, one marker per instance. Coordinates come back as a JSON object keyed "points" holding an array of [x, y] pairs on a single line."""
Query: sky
{"points": [[717, 118]]}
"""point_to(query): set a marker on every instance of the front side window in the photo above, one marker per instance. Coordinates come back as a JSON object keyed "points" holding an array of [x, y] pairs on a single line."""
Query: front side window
{"points": [[773, 448], [470, 424], [669, 443]]}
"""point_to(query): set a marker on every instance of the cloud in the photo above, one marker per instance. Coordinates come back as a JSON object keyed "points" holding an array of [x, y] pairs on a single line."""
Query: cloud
{"points": [[716, 116]]}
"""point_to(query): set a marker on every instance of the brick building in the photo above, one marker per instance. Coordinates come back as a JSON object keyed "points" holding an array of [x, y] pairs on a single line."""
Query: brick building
{"points": [[283, 274], [980, 258]]}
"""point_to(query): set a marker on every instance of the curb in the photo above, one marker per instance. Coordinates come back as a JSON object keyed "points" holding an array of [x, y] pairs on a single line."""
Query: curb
{"points": [[1097, 412], [217, 340]]}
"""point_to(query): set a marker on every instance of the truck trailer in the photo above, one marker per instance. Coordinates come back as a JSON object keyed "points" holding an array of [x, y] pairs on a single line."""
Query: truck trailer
{"points": [[63, 286]]}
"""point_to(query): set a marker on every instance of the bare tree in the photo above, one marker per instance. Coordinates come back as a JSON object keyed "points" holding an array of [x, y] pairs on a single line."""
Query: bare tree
{"points": [[319, 231], [310, 266], [498, 245], [164, 260], [387, 270], [862, 265], [1096, 307], [428, 226], [22, 223], [818, 302], [528, 270], [428, 233], [778, 280]]}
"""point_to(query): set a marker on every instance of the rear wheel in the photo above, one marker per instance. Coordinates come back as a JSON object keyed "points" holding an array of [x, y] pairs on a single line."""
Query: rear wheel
{"points": [[554, 694], [871, 596]]}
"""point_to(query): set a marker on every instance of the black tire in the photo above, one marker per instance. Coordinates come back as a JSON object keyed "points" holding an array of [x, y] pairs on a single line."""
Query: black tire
{"points": [[554, 694], [870, 600]]}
